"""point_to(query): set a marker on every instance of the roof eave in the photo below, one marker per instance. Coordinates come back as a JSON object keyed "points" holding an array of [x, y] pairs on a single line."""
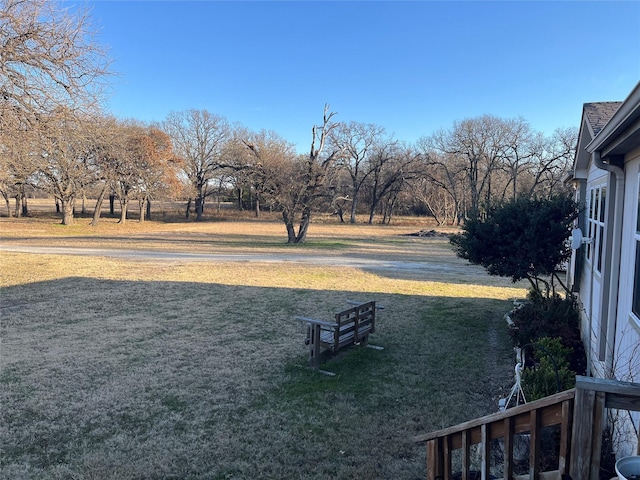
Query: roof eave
{"points": [[629, 108]]}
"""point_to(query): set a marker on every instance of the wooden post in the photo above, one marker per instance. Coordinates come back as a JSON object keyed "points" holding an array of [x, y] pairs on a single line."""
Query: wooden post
{"points": [[508, 448], [534, 444], [356, 325], [486, 450], [586, 434], [565, 437], [466, 454], [434, 459], [314, 346], [446, 457], [598, 427]]}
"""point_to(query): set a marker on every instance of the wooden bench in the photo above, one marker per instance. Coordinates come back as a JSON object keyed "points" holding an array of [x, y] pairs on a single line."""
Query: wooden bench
{"points": [[351, 326]]}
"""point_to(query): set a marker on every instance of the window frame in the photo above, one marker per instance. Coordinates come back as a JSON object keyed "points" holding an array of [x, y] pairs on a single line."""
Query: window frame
{"points": [[595, 224]]}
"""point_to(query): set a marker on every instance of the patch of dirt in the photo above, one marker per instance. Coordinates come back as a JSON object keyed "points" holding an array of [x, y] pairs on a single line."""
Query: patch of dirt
{"points": [[428, 234]]}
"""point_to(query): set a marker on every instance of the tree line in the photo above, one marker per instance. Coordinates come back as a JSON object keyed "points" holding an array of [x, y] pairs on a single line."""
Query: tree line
{"points": [[55, 137]]}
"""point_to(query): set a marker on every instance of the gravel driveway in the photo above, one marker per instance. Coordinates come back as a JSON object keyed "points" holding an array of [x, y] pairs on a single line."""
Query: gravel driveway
{"points": [[410, 269]]}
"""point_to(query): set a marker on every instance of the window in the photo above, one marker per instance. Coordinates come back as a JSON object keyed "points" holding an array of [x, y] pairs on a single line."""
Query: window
{"points": [[595, 225], [590, 199], [636, 283]]}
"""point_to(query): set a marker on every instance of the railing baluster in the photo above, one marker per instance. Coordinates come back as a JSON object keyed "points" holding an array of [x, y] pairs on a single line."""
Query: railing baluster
{"points": [[486, 451], [508, 448], [434, 459], [598, 426], [534, 444], [466, 461], [446, 448], [565, 437]]}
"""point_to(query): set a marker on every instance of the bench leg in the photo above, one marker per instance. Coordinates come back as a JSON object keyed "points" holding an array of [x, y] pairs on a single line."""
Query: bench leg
{"points": [[364, 341], [314, 346]]}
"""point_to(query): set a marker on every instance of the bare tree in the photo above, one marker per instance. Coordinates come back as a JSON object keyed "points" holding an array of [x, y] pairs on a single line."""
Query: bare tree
{"points": [[108, 149], [356, 141], [240, 162], [278, 173], [66, 144], [18, 163], [48, 58], [521, 147], [481, 142], [442, 181], [547, 169], [296, 184], [198, 139], [391, 165], [438, 201], [151, 150]]}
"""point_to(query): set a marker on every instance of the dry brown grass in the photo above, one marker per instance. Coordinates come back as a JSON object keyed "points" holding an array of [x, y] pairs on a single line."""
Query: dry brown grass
{"points": [[130, 369]]}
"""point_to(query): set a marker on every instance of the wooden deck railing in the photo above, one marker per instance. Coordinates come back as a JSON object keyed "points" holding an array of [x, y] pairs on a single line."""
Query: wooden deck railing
{"points": [[574, 418]]}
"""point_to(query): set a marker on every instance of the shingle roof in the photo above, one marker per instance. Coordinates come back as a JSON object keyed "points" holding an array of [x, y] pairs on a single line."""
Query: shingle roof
{"points": [[599, 113]]}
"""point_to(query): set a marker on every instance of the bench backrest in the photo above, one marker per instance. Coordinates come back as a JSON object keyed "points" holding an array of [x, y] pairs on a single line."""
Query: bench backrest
{"points": [[354, 323]]}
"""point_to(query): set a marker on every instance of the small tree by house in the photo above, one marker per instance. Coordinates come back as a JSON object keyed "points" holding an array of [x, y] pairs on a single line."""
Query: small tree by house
{"points": [[525, 238]]}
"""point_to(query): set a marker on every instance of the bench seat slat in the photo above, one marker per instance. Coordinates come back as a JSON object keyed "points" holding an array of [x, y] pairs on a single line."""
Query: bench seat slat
{"points": [[324, 323]]}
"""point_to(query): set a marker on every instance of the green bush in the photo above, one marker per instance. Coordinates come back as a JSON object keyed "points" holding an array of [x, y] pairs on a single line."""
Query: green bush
{"points": [[544, 318], [550, 372], [523, 238]]}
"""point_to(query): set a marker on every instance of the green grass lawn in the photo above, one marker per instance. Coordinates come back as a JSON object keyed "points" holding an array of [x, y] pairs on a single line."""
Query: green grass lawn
{"points": [[127, 369]]}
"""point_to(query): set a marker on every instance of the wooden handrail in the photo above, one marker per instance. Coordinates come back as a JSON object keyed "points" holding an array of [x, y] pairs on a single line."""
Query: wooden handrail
{"points": [[578, 412], [498, 416]]}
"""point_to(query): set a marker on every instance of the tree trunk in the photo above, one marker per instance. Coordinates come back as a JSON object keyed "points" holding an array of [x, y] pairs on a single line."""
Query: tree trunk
{"points": [[473, 186], [354, 204], [388, 210], [98, 208], [84, 201], [25, 207], [17, 211], [148, 210], [188, 209], [142, 207], [57, 206], [67, 210], [288, 222], [199, 208], [257, 207], [304, 225], [112, 201], [372, 211], [124, 205], [6, 200]]}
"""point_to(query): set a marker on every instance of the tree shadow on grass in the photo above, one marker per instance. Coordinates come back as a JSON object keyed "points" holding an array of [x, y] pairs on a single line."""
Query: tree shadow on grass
{"points": [[137, 379]]}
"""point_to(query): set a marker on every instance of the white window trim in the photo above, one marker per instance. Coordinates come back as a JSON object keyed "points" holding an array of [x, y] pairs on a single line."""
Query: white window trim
{"points": [[593, 219], [633, 317]]}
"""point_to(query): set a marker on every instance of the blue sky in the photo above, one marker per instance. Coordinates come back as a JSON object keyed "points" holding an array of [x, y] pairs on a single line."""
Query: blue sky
{"points": [[412, 67]]}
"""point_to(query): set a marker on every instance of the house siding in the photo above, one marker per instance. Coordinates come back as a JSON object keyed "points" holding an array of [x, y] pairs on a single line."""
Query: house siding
{"points": [[591, 281], [627, 358], [628, 324]]}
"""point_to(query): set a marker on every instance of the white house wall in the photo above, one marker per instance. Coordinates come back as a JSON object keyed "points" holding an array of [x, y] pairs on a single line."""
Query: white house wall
{"points": [[627, 352], [627, 324]]}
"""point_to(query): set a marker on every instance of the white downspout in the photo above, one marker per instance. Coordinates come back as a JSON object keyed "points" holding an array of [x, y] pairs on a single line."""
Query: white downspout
{"points": [[616, 251]]}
